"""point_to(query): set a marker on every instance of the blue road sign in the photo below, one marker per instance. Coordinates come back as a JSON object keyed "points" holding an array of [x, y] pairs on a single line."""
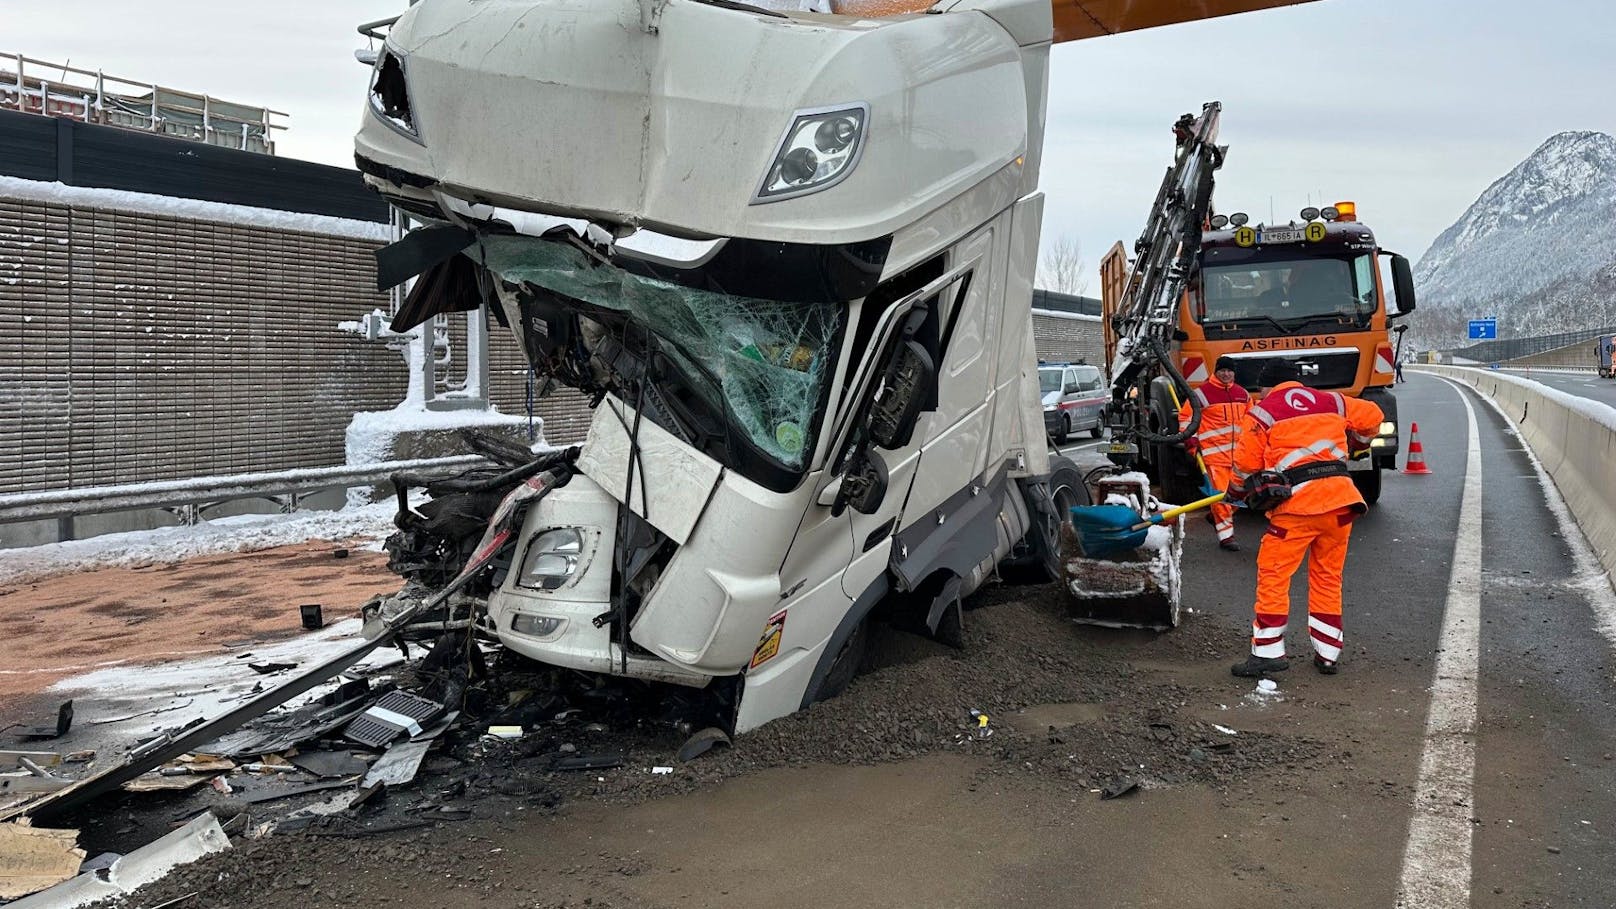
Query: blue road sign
{"points": [[1483, 329]]}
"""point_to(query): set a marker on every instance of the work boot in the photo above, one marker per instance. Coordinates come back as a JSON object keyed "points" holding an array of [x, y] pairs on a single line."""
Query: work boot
{"points": [[1229, 545], [1324, 666], [1256, 667]]}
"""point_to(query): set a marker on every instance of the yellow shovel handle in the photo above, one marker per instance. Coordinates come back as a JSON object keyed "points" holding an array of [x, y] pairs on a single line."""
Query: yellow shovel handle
{"points": [[1172, 513]]}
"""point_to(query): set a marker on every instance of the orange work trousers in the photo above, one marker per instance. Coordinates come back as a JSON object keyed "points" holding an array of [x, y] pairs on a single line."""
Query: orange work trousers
{"points": [[1222, 515], [1322, 539]]}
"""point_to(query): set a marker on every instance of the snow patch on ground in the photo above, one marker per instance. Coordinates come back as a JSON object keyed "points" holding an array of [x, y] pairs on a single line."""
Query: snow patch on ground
{"points": [[117, 703], [147, 203], [164, 545]]}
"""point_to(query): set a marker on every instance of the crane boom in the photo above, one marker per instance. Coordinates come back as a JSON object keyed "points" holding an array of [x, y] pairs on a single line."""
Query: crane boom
{"points": [[1141, 323]]}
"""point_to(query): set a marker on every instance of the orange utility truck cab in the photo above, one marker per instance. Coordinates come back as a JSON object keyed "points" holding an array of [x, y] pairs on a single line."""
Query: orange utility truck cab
{"points": [[1310, 291]]}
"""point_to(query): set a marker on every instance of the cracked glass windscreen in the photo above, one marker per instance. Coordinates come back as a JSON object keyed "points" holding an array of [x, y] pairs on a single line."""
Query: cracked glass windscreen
{"points": [[770, 358]]}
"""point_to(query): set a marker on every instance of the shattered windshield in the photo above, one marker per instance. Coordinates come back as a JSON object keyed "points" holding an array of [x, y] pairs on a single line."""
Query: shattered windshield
{"points": [[1290, 293], [763, 364]]}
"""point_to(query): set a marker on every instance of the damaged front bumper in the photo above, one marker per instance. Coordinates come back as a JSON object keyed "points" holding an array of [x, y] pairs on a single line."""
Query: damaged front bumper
{"points": [[568, 620]]}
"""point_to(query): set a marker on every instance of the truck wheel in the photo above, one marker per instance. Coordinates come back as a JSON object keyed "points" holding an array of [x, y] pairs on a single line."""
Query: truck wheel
{"points": [[1065, 431], [847, 663], [1368, 483], [1062, 490], [1097, 430]]}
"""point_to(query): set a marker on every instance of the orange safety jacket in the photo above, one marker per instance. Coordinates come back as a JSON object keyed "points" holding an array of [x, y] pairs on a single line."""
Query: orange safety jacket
{"points": [[1223, 407], [1295, 425]]}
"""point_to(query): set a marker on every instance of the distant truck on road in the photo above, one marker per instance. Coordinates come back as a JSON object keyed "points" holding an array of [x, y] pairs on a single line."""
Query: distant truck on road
{"points": [[1604, 348]]}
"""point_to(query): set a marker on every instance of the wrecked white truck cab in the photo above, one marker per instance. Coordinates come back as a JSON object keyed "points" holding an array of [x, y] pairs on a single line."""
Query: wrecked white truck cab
{"points": [[790, 256]]}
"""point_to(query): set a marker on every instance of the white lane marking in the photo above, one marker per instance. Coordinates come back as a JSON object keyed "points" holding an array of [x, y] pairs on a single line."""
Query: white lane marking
{"points": [[1436, 859], [1590, 576], [1084, 447]]}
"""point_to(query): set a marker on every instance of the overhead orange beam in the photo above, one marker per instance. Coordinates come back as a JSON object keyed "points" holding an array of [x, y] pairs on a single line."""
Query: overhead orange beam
{"points": [[1078, 19]]}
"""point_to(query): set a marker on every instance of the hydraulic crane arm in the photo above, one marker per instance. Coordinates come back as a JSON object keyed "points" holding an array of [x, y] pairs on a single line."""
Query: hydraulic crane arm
{"points": [[1146, 315]]}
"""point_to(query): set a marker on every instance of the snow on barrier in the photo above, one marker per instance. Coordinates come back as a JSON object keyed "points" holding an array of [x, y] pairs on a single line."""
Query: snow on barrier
{"points": [[1573, 437]]}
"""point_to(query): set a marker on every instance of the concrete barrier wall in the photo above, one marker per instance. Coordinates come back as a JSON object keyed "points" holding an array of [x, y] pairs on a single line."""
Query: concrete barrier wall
{"points": [[1575, 438], [1581, 356]]}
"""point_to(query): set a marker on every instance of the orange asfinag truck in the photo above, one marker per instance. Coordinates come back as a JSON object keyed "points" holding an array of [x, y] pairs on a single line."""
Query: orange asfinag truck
{"points": [[1309, 291]]}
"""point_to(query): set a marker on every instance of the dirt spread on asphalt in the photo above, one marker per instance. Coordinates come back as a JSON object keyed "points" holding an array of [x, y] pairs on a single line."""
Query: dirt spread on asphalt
{"points": [[66, 624], [1073, 713]]}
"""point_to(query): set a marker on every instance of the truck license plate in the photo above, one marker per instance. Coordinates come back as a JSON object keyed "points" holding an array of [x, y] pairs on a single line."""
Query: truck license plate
{"points": [[1280, 235]]}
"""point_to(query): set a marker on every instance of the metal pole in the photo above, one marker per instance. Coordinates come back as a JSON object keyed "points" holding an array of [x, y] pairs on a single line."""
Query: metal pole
{"points": [[477, 356], [425, 361], [531, 434]]}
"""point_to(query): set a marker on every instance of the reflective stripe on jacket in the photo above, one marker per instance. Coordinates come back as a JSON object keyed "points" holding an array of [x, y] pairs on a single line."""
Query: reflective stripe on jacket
{"points": [[1295, 425], [1223, 407]]}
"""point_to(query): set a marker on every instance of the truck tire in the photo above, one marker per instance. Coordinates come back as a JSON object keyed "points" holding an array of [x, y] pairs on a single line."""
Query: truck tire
{"points": [[1065, 431], [1097, 430], [1368, 483], [847, 663], [1063, 489]]}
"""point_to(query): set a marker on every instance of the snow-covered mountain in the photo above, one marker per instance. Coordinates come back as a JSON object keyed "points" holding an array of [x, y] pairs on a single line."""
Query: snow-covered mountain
{"points": [[1537, 249]]}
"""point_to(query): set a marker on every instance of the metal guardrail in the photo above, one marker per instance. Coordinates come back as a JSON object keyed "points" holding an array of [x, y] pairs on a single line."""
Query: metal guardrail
{"points": [[190, 497], [38, 86], [1515, 348], [1578, 370]]}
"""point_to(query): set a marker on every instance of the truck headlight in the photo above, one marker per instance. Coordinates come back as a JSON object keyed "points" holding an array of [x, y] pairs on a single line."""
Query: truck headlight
{"points": [[1388, 428], [390, 95], [819, 150], [552, 558], [1048, 408]]}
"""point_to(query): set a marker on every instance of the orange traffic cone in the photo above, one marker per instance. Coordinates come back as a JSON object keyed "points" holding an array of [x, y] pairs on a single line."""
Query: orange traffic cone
{"points": [[1416, 452]]}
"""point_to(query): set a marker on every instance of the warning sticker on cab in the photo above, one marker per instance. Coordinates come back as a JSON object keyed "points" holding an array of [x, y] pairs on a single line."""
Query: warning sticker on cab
{"points": [[769, 645]]}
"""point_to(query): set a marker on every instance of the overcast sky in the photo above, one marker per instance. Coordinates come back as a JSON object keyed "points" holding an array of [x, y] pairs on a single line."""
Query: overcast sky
{"points": [[1409, 107]]}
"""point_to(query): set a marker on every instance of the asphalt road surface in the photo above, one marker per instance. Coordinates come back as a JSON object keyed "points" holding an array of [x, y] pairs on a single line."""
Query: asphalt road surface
{"points": [[1462, 758], [1586, 385]]}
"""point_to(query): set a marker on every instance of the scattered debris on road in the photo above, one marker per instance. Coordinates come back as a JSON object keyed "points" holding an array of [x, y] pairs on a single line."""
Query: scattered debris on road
{"points": [[126, 874], [34, 858]]}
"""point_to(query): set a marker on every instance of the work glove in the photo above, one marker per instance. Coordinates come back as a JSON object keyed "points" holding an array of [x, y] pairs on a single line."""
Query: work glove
{"points": [[1192, 444], [1357, 445]]}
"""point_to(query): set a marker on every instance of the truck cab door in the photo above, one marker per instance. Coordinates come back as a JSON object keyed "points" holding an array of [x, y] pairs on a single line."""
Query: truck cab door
{"points": [[812, 574]]}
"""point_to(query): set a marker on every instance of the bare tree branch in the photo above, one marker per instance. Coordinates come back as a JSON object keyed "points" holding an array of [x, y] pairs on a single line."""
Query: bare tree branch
{"points": [[1062, 269]]}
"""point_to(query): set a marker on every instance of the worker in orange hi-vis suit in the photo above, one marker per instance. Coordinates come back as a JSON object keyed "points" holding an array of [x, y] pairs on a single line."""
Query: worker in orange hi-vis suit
{"points": [[1293, 451], [1223, 407]]}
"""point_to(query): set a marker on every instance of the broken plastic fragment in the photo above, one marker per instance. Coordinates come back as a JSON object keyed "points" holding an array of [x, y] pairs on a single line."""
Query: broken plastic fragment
{"points": [[1119, 787], [702, 742]]}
